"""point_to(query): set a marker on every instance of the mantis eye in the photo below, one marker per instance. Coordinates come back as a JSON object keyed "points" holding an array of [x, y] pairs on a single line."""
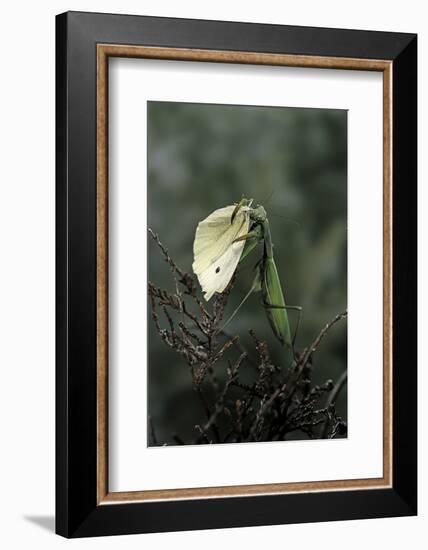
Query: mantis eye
{"points": [[217, 270]]}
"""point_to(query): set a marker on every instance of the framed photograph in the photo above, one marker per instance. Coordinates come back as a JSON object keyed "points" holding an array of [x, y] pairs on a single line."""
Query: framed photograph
{"points": [[236, 274]]}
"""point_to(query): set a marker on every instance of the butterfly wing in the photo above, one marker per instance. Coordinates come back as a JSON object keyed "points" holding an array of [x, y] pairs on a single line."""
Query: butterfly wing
{"points": [[216, 255]]}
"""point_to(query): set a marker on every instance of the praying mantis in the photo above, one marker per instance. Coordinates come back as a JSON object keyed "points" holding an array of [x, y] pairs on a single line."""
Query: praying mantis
{"points": [[222, 241]]}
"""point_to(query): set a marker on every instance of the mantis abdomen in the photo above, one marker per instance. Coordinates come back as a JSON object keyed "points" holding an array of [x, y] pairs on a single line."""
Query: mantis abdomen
{"points": [[274, 302]]}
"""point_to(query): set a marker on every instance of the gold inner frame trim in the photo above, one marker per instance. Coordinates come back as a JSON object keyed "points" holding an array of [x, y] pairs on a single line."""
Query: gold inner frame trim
{"points": [[104, 51]]}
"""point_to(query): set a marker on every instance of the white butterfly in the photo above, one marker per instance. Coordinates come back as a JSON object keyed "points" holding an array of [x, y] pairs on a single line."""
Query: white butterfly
{"points": [[216, 255]]}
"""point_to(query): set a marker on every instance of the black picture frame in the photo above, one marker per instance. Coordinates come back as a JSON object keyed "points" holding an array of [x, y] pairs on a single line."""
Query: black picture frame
{"points": [[78, 513]]}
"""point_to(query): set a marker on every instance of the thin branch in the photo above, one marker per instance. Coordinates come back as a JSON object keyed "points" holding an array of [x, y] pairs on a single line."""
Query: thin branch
{"points": [[208, 413], [174, 267], [238, 344], [332, 398], [220, 401], [307, 354], [314, 346]]}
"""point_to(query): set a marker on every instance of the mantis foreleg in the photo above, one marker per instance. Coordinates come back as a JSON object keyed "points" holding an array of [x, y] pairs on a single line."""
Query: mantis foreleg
{"points": [[241, 203], [249, 235], [252, 239]]}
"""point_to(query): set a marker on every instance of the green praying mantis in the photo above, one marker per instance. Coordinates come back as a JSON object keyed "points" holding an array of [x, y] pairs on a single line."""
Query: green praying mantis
{"points": [[222, 241]]}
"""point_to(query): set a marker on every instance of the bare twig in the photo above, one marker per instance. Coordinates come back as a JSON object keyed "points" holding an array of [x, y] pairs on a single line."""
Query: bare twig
{"points": [[332, 398], [304, 359], [174, 267], [314, 346]]}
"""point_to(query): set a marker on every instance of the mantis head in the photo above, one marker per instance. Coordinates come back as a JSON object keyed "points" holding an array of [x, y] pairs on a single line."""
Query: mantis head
{"points": [[258, 214]]}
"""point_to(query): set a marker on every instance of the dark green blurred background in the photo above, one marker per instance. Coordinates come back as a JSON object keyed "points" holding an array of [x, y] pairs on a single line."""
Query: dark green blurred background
{"points": [[203, 157]]}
